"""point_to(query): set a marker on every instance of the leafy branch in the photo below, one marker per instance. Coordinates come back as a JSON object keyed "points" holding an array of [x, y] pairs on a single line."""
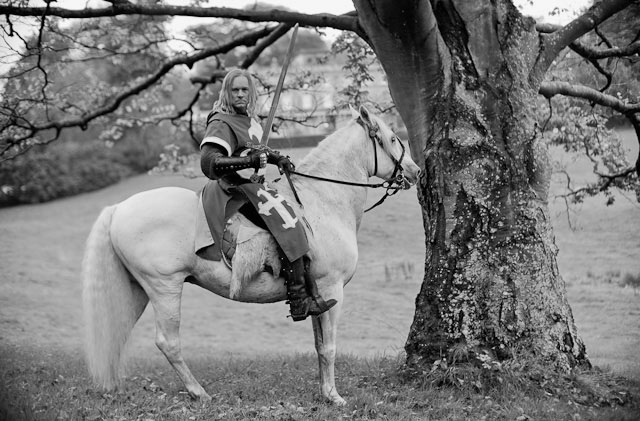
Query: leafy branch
{"points": [[18, 143], [558, 40]]}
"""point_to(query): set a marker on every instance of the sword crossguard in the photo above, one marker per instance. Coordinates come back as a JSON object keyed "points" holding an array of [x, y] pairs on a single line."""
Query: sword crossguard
{"points": [[260, 148]]}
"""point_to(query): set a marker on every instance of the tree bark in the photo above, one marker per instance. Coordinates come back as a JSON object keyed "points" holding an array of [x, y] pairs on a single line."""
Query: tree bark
{"points": [[491, 279]]}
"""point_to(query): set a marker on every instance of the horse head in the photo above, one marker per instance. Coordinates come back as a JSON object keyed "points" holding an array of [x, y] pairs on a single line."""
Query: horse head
{"points": [[391, 158]]}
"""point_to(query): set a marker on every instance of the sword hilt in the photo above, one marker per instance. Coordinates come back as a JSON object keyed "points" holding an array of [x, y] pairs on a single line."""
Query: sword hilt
{"points": [[258, 176]]}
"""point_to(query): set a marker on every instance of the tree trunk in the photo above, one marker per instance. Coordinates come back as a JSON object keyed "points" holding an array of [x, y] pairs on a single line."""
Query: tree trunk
{"points": [[459, 72]]}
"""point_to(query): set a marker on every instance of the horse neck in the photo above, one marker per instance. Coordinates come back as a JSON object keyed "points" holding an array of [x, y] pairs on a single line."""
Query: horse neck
{"points": [[344, 156]]}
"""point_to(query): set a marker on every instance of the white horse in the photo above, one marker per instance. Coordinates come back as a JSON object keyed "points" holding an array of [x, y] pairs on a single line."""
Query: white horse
{"points": [[142, 249]]}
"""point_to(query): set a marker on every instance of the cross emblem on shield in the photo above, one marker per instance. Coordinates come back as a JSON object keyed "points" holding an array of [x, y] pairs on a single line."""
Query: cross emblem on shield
{"points": [[275, 201]]}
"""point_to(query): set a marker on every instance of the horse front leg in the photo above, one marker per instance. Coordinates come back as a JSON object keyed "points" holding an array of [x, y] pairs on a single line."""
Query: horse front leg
{"points": [[325, 329], [167, 311]]}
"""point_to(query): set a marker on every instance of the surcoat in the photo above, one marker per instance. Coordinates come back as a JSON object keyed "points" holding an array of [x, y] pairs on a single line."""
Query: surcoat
{"points": [[237, 134]]}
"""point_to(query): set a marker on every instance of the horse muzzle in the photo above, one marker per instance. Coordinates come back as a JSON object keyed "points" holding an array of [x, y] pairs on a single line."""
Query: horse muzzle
{"points": [[408, 179]]}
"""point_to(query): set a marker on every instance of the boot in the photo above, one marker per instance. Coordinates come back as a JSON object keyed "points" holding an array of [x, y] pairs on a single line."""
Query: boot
{"points": [[302, 292]]}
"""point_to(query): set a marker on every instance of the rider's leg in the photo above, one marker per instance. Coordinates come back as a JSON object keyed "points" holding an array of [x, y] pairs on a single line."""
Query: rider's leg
{"points": [[302, 292]]}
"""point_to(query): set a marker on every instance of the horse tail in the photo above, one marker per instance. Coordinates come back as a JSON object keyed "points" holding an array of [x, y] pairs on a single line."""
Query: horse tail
{"points": [[112, 302]]}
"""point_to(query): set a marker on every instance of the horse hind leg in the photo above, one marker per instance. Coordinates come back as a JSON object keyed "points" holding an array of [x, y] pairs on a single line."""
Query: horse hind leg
{"points": [[166, 305]]}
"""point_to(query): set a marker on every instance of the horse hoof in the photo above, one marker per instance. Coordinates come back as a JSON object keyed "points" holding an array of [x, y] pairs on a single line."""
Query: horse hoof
{"points": [[336, 400], [204, 400], [203, 397]]}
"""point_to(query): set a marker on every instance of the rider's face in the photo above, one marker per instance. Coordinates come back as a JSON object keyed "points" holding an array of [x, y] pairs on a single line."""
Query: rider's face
{"points": [[240, 94]]}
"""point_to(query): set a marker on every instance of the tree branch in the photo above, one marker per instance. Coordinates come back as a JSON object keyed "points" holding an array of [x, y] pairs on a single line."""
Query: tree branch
{"points": [[31, 130], [610, 178], [555, 42], [346, 22], [189, 109], [590, 52], [583, 52], [252, 56], [604, 183], [45, 75], [596, 53], [549, 89], [630, 111], [215, 76]]}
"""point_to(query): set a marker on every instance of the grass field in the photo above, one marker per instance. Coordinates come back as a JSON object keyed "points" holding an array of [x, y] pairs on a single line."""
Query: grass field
{"points": [[40, 309]]}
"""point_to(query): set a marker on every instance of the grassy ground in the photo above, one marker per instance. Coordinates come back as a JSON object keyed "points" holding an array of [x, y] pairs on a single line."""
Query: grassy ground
{"points": [[257, 364], [284, 388]]}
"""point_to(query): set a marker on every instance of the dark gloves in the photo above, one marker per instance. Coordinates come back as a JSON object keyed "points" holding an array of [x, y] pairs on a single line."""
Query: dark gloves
{"points": [[283, 162], [285, 165]]}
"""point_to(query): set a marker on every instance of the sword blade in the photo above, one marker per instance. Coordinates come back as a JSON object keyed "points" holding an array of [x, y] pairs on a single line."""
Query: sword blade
{"points": [[276, 96]]}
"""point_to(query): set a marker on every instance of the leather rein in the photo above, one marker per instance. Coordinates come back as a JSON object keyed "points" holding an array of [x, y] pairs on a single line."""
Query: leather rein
{"points": [[394, 183]]}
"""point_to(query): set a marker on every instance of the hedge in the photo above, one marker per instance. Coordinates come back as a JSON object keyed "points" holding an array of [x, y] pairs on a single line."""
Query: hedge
{"points": [[68, 168]]}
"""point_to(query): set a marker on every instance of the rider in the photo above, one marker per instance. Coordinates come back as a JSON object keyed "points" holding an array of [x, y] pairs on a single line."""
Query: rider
{"points": [[226, 150]]}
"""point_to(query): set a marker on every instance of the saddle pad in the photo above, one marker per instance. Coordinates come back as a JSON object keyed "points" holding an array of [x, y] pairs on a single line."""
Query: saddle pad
{"points": [[203, 238], [278, 216], [237, 230]]}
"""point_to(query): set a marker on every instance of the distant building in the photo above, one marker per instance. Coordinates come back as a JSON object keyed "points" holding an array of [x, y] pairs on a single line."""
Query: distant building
{"points": [[307, 114], [311, 113]]}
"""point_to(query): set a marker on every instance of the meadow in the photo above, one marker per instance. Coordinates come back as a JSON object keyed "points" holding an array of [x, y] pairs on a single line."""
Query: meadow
{"points": [[257, 364]]}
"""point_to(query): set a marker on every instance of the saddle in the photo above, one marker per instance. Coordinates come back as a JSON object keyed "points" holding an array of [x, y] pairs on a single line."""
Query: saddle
{"points": [[219, 228]]}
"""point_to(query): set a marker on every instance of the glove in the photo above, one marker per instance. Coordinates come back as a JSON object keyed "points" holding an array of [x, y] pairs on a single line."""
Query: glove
{"points": [[283, 162], [285, 165]]}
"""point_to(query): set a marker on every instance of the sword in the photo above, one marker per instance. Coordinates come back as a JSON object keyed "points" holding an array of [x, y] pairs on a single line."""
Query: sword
{"points": [[274, 104]]}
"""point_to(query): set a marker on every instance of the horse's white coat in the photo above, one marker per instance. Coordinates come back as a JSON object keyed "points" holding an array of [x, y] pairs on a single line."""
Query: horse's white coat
{"points": [[141, 250]]}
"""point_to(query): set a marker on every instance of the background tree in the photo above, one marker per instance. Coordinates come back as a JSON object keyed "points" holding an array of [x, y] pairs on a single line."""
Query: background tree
{"points": [[583, 128], [64, 72], [465, 77]]}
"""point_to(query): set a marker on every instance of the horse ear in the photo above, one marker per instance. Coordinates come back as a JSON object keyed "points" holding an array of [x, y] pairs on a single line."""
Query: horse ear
{"points": [[354, 113], [364, 115]]}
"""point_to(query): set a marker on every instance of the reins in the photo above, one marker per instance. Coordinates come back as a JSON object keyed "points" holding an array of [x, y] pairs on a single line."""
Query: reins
{"points": [[392, 185]]}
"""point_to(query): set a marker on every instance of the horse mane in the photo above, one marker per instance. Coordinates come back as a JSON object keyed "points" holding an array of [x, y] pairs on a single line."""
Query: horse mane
{"points": [[326, 148]]}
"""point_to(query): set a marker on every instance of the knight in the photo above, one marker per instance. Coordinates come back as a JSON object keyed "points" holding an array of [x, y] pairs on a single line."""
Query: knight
{"points": [[228, 155]]}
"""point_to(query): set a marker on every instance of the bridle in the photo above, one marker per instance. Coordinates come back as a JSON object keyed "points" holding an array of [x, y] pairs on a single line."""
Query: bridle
{"points": [[372, 130], [393, 184]]}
